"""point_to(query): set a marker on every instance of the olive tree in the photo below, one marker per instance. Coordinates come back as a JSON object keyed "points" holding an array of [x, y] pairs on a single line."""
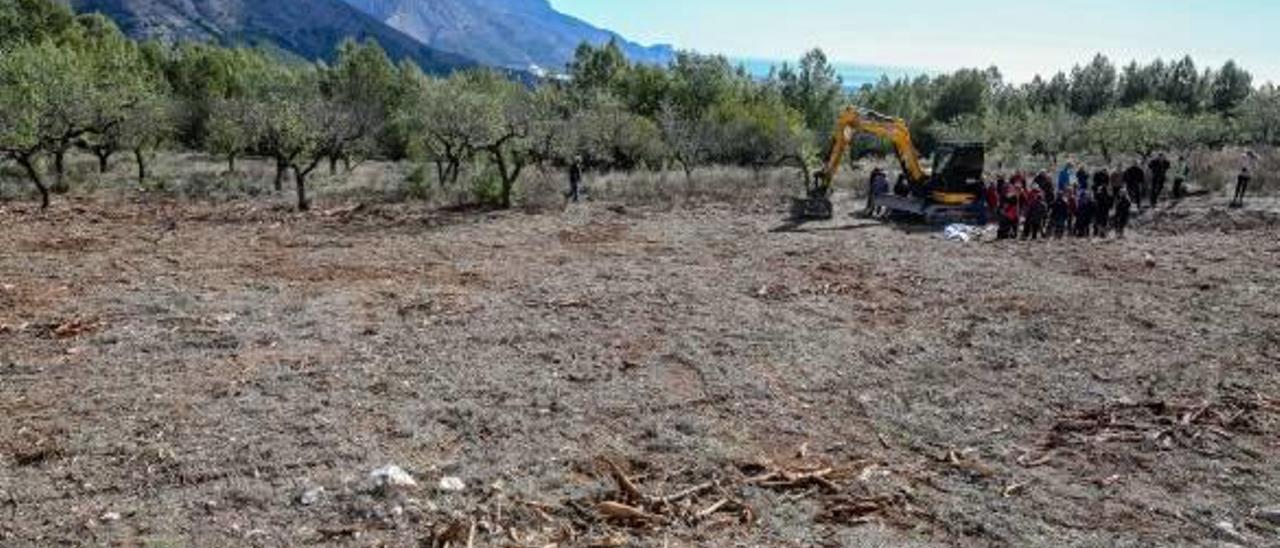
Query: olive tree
{"points": [[606, 133], [300, 126], [1142, 130], [147, 126], [45, 99], [362, 85], [230, 129], [446, 120], [759, 132], [510, 121], [689, 140], [1260, 116], [117, 80]]}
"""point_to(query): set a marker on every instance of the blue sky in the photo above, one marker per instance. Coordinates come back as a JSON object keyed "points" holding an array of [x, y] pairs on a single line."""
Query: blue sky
{"points": [[1022, 37]]}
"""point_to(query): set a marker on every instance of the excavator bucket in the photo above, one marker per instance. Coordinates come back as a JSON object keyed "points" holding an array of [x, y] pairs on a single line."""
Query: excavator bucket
{"points": [[812, 209], [817, 205]]}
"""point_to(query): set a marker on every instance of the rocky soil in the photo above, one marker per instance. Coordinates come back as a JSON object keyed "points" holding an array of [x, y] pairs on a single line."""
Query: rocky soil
{"points": [[236, 375]]}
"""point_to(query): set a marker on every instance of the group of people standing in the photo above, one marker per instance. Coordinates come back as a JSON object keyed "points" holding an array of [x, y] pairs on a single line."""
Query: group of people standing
{"points": [[1080, 203]]}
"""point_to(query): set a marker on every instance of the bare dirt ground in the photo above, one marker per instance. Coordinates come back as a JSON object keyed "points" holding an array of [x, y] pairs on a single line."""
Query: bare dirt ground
{"points": [[186, 375]]}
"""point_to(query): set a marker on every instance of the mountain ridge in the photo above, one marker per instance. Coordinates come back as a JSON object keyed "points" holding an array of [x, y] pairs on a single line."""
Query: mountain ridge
{"points": [[275, 23], [515, 34]]}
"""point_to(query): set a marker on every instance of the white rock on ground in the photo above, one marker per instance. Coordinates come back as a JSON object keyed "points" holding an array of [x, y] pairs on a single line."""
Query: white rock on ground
{"points": [[452, 484], [392, 476], [1229, 530], [311, 496]]}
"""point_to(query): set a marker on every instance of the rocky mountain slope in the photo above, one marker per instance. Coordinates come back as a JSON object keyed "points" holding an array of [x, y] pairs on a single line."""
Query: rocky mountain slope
{"points": [[518, 34], [311, 29]]}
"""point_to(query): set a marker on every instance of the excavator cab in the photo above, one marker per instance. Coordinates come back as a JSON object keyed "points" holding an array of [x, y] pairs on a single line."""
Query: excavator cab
{"points": [[951, 192], [957, 173]]}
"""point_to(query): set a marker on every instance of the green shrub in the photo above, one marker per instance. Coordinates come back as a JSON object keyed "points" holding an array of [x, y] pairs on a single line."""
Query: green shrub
{"points": [[418, 183], [486, 187]]}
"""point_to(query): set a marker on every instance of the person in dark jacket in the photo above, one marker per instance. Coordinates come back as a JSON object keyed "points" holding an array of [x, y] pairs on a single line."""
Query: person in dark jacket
{"points": [[878, 186], [902, 188], [1073, 205], [1159, 175], [1036, 213], [1059, 212], [575, 181], [1101, 209], [1134, 178], [1082, 178], [1045, 183], [1242, 187], [1102, 178], [1123, 207], [1084, 214]]}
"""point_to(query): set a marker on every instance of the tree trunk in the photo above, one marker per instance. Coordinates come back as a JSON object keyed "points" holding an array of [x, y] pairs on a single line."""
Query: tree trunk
{"points": [[508, 173], [60, 170], [281, 166], [104, 160], [333, 165], [346, 163], [34, 174], [300, 182], [442, 172], [506, 193], [231, 163], [141, 158]]}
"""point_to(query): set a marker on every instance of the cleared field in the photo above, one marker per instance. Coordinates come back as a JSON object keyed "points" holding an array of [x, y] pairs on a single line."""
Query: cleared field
{"points": [[185, 375]]}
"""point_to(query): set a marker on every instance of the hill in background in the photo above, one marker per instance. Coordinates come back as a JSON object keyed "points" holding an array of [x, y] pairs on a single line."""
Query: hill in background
{"points": [[516, 34], [311, 29]]}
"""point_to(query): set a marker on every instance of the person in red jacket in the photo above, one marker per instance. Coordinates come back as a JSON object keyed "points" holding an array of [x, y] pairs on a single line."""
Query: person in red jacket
{"points": [[1010, 212], [993, 199]]}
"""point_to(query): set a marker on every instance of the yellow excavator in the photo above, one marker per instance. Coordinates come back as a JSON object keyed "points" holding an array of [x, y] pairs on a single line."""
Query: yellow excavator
{"points": [[952, 193]]}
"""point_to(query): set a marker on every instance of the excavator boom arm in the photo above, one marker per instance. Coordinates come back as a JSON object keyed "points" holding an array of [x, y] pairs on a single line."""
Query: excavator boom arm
{"points": [[851, 122]]}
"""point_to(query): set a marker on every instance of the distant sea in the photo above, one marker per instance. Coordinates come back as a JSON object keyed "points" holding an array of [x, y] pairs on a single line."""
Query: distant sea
{"points": [[854, 75]]}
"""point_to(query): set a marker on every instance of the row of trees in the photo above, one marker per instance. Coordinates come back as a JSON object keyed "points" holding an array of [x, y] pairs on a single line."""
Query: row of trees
{"points": [[74, 82], [1095, 109]]}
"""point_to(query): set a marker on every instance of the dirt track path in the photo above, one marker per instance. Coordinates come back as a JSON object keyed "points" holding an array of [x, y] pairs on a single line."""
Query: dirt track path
{"points": [[194, 373]]}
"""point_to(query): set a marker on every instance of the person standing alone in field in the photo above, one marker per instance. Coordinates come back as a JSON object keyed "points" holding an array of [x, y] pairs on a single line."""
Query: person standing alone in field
{"points": [[1242, 187], [1159, 175], [575, 181], [1249, 161]]}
